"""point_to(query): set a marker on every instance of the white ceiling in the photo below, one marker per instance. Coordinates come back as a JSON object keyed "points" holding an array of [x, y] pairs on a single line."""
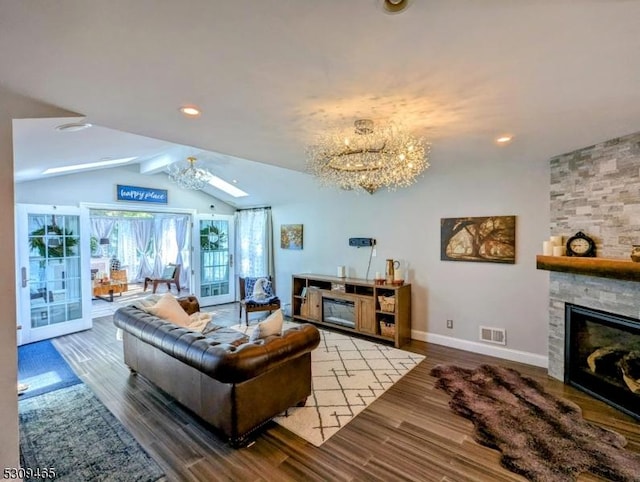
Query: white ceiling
{"points": [[270, 74]]}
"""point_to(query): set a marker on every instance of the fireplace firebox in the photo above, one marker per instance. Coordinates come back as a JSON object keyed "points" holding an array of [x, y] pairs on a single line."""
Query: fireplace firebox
{"points": [[602, 356]]}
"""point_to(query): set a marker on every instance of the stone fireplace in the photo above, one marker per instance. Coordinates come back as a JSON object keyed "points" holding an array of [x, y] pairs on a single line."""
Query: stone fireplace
{"points": [[595, 190]]}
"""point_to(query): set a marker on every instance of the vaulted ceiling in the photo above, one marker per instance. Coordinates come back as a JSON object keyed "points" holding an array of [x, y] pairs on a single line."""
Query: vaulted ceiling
{"points": [[270, 75]]}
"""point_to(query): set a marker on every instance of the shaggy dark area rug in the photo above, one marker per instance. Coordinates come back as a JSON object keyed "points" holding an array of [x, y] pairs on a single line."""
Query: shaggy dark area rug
{"points": [[541, 437]]}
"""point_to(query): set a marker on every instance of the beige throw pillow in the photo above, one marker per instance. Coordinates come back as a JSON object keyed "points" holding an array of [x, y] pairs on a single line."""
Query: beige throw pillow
{"points": [[198, 321], [169, 309], [272, 325], [146, 302]]}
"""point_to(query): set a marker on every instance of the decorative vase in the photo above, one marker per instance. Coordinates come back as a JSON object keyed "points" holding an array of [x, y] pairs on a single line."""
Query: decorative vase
{"points": [[389, 271], [635, 253]]}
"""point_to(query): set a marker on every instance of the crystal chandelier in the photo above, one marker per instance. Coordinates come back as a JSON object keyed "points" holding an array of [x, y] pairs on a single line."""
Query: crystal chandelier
{"points": [[370, 158], [190, 177]]}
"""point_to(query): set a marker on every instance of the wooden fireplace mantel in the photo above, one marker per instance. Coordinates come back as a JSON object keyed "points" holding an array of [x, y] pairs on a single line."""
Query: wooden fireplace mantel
{"points": [[620, 269]]}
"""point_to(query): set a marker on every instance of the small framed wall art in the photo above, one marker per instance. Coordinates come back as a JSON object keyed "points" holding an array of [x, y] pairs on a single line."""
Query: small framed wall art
{"points": [[291, 236]]}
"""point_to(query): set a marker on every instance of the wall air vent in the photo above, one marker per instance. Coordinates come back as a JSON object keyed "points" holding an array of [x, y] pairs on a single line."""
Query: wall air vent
{"points": [[493, 335]]}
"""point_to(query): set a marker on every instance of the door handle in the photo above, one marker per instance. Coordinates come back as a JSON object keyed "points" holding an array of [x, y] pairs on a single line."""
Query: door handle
{"points": [[24, 277], [230, 261]]}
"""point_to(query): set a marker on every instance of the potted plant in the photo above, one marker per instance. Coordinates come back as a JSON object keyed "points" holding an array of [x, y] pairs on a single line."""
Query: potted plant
{"points": [[95, 247]]}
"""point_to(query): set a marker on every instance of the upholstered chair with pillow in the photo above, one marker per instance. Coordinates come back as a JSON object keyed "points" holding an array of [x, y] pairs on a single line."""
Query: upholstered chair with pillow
{"points": [[257, 294]]}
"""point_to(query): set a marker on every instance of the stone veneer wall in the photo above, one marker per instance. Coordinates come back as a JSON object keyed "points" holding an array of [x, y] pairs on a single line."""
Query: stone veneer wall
{"points": [[595, 190]]}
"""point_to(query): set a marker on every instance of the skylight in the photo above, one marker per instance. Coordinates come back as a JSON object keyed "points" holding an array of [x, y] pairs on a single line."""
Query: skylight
{"points": [[230, 189], [89, 165]]}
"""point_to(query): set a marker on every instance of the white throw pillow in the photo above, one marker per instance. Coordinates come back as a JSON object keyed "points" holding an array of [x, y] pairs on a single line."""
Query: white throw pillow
{"points": [[169, 309], [272, 325]]}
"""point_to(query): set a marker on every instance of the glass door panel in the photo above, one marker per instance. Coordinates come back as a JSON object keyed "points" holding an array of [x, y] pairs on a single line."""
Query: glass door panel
{"points": [[214, 252], [50, 289]]}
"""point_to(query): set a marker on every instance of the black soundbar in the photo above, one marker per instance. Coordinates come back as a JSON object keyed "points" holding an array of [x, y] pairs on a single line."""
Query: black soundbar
{"points": [[358, 242]]}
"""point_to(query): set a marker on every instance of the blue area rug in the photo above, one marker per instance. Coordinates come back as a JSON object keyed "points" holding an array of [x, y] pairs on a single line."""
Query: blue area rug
{"points": [[66, 429], [72, 432], [42, 368]]}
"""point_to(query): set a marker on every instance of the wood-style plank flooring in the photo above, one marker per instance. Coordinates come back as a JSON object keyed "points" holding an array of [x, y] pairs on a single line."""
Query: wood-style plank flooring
{"points": [[409, 433]]}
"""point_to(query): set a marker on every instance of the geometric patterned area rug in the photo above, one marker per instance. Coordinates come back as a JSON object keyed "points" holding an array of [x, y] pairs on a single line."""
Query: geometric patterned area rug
{"points": [[71, 433], [348, 374]]}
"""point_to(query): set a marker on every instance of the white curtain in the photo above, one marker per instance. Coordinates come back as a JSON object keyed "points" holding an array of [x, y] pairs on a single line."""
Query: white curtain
{"points": [[127, 251], [182, 229], [254, 242], [159, 225], [142, 233], [169, 234], [101, 228]]}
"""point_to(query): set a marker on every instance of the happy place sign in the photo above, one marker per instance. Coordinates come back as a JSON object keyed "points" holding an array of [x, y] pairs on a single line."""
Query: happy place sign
{"points": [[142, 194]]}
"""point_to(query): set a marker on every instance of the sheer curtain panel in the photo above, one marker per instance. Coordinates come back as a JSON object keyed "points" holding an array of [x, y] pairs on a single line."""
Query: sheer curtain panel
{"points": [[254, 241], [142, 233]]}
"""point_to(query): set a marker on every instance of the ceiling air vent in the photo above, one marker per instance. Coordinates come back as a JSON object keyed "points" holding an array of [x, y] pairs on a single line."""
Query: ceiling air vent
{"points": [[493, 335]]}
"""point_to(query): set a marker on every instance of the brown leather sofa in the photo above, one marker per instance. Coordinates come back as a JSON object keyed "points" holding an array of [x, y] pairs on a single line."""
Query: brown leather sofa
{"points": [[234, 384]]}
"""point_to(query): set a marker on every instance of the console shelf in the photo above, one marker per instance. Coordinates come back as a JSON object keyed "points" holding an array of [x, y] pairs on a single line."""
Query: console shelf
{"points": [[367, 312], [599, 267]]}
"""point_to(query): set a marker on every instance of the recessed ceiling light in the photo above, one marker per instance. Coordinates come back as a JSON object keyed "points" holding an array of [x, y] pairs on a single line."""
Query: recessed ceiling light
{"points": [[504, 139], [190, 111], [88, 165], [395, 6], [73, 126]]}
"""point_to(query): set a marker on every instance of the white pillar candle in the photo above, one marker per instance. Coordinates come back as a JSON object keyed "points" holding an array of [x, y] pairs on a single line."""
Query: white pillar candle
{"points": [[397, 274], [547, 248], [341, 271], [558, 251], [378, 275], [556, 240]]}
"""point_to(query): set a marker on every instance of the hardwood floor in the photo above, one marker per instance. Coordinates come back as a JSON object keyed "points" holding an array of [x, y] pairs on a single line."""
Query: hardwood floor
{"points": [[409, 433]]}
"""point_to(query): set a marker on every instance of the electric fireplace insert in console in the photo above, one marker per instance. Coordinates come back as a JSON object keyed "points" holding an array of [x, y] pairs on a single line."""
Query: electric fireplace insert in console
{"points": [[602, 356], [339, 312]]}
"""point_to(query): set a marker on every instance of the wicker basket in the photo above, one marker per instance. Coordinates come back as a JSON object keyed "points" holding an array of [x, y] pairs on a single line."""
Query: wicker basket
{"points": [[387, 303], [387, 329]]}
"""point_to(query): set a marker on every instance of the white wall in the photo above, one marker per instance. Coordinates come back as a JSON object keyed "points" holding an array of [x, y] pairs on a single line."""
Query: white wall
{"points": [[406, 225], [12, 106], [99, 186]]}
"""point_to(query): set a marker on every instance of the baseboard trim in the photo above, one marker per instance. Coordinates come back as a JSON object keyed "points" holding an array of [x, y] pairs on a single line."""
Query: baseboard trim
{"points": [[481, 348]]}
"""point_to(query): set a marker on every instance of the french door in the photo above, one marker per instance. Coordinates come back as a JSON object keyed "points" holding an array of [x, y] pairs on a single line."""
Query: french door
{"points": [[50, 281], [213, 246]]}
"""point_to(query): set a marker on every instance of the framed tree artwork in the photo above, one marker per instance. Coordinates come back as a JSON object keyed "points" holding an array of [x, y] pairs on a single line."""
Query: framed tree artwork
{"points": [[490, 239], [291, 236]]}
